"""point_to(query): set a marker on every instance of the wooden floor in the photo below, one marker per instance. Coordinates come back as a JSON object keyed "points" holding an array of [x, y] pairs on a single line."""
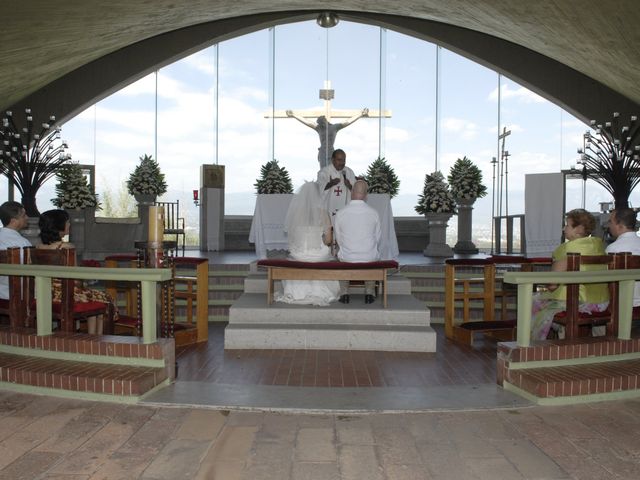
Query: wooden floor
{"points": [[453, 364]]}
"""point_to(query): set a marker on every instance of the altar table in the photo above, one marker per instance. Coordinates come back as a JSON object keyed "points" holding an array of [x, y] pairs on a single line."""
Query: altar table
{"points": [[267, 226]]}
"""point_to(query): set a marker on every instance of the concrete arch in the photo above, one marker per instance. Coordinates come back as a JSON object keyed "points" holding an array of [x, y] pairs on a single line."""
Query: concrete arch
{"points": [[574, 91]]}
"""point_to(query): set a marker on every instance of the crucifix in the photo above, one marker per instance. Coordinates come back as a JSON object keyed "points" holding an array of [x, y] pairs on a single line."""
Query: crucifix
{"points": [[504, 157], [327, 131]]}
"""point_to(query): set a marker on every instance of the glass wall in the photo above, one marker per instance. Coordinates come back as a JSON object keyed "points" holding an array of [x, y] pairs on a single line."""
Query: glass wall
{"points": [[218, 106]]}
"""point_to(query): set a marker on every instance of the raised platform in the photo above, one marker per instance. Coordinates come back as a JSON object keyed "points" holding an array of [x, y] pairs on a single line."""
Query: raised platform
{"points": [[404, 326]]}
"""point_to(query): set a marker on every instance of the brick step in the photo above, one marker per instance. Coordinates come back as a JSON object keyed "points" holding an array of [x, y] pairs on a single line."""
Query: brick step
{"points": [[79, 376], [579, 380]]}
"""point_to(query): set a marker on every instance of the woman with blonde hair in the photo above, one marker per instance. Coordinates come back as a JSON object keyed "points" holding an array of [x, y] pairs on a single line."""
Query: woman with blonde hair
{"points": [[579, 225]]}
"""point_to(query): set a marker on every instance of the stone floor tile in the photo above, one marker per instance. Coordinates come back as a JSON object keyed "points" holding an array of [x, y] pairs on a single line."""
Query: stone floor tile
{"points": [[583, 468], [92, 454], [64, 476], [315, 471], [358, 462], [75, 432], [354, 431], [315, 445], [247, 419], [528, 459], [126, 464], [266, 471], [223, 470], [272, 451], [407, 472], [201, 425], [492, 468], [316, 421], [395, 445], [179, 459], [29, 466]]}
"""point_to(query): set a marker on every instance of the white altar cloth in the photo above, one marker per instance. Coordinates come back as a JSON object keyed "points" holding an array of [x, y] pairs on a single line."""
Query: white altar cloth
{"points": [[267, 226]]}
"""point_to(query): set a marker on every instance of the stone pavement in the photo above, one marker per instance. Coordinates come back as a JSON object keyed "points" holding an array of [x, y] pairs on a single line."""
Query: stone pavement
{"points": [[52, 438]]}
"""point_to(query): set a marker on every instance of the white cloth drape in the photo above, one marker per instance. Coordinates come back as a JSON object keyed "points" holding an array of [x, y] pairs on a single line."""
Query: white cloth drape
{"points": [[543, 204], [267, 226]]}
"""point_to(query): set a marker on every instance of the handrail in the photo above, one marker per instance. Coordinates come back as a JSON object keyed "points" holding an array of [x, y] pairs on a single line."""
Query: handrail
{"points": [[525, 281], [148, 278]]}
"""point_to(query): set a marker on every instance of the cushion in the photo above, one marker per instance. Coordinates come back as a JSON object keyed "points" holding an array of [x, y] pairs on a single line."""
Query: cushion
{"points": [[335, 265], [493, 325]]}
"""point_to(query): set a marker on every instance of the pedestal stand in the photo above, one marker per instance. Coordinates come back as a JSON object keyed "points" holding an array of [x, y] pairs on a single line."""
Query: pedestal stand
{"points": [[437, 246], [465, 209]]}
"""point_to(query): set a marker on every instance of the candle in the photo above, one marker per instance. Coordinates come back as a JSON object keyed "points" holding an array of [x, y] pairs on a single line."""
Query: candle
{"points": [[156, 223]]}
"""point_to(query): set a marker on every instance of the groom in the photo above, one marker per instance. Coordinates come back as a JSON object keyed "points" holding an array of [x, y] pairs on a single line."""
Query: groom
{"points": [[357, 230]]}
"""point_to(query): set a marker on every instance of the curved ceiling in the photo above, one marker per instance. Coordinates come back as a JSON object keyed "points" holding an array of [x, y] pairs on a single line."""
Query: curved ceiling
{"points": [[586, 46]]}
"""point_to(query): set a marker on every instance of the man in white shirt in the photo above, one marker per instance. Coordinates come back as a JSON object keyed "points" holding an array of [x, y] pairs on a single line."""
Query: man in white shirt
{"points": [[622, 225], [335, 182], [14, 219], [358, 233]]}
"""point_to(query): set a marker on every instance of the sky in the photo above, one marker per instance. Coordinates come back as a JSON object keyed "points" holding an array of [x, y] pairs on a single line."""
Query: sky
{"points": [[284, 69]]}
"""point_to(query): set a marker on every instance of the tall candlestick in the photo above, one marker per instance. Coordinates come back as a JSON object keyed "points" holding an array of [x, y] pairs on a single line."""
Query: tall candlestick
{"points": [[156, 223]]}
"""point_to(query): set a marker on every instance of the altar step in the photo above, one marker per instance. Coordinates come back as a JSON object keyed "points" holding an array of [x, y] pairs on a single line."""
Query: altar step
{"points": [[571, 371], [403, 326], [93, 367]]}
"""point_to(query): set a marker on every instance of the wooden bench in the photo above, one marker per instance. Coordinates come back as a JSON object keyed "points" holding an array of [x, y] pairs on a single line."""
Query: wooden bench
{"points": [[279, 269]]}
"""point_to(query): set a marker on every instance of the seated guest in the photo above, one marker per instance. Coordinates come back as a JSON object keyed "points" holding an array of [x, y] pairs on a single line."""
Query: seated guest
{"points": [[593, 297], [358, 233], [310, 235], [622, 226], [14, 219], [54, 225]]}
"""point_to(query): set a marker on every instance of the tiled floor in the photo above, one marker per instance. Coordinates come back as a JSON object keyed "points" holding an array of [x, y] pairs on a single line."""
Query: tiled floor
{"points": [[453, 364]]}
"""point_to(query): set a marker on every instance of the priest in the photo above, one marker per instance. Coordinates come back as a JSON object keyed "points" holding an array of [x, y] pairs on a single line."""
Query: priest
{"points": [[335, 181]]}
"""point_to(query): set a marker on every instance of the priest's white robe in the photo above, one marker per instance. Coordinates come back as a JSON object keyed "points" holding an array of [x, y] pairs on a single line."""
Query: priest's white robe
{"points": [[339, 195]]}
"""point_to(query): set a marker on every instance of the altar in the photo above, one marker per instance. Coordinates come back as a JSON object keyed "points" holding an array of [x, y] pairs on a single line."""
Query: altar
{"points": [[267, 226]]}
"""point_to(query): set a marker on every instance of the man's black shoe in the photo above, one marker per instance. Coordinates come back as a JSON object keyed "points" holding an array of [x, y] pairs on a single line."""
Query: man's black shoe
{"points": [[369, 298], [344, 299]]}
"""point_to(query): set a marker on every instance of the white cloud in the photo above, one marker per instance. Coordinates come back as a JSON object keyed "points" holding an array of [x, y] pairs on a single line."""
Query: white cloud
{"points": [[521, 94], [466, 129]]}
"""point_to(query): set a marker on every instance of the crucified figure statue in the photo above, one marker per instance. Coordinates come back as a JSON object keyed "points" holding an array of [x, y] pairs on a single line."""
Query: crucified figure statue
{"points": [[327, 132]]}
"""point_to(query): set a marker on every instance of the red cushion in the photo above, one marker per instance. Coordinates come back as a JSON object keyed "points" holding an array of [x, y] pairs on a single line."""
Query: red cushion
{"points": [[121, 258], [79, 308], [188, 261], [127, 321], [492, 325], [471, 262], [279, 262]]}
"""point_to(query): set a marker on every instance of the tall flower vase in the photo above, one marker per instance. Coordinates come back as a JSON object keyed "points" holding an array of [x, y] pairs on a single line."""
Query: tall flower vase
{"points": [[437, 246], [77, 231], [465, 209]]}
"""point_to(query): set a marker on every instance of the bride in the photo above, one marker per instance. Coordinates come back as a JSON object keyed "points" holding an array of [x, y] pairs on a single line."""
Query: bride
{"points": [[310, 235]]}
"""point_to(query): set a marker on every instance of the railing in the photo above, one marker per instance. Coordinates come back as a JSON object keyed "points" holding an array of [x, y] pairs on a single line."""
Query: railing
{"points": [[148, 278], [526, 280], [510, 220]]}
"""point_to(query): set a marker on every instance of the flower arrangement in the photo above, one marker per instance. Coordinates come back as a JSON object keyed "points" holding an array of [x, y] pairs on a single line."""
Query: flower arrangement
{"points": [[72, 190], [273, 179], [436, 197], [465, 180], [147, 179], [381, 178]]}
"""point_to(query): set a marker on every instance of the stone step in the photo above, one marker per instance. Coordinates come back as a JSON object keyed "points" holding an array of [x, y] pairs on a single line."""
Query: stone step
{"points": [[397, 284], [401, 310], [101, 367], [330, 337], [403, 326], [605, 379], [571, 371], [79, 376]]}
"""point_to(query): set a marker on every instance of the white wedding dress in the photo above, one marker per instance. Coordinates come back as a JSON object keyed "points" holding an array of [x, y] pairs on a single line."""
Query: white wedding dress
{"points": [[305, 244]]}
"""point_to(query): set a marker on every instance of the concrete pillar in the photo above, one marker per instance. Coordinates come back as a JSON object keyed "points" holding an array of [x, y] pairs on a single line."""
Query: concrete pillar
{"points": [[437, 247], [465, 209]]}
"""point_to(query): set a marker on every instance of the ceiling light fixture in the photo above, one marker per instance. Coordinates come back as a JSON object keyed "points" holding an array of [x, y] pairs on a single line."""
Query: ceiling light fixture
{"points": [[327, 19]]}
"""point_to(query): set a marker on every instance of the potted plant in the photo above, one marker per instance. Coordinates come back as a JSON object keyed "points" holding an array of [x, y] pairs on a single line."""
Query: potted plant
{"points": [[465, 179], [73, 191], [31, 154], [273, 179], [438, 205], [381, 178], [146, 182]]}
